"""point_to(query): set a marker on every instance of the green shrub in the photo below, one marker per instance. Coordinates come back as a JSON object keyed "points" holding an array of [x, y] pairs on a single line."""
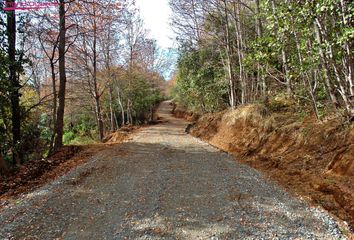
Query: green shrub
{"points": [[68, 137]]}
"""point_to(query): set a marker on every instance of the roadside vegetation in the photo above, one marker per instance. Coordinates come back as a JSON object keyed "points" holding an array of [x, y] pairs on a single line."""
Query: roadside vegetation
{"points": [[271, 81], [73, 74], [240, 52]]}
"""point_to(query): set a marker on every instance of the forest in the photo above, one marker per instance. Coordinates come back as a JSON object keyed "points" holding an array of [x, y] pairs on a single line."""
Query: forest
{"points": [[271, 82], [241, 126], [73, 73], [235, 52]]}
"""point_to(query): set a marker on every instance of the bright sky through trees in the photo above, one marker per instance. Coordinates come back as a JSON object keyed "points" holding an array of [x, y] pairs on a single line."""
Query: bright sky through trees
{"points": [[156, 14]]}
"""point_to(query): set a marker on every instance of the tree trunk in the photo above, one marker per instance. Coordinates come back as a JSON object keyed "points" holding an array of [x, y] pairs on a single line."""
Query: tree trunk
{"points": [[121, 106], [288, 82], [59, 129], [340, 85], [232, 85], [99, 118], [54, 118], [305, 77], [324, 62], [3, 165], [349, 55], [115, 120], [289, 90], [129, 113], [111, 113], [239, 38], [15, 88], [95, 84], [259, 28]]}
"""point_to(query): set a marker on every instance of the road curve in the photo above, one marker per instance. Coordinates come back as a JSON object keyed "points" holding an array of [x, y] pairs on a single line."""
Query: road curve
{"points": [[163, 184]]}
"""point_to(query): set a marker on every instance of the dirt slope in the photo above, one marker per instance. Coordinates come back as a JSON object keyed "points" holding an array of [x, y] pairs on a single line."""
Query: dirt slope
{"points": [[312, 159], [164, 184]]}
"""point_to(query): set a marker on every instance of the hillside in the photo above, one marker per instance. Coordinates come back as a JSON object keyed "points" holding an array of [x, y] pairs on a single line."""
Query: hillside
{"points": [[310, 158]]}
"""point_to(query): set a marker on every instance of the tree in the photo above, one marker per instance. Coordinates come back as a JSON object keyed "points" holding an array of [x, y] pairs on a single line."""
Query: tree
{"points": [[198, 81], [59, 128], [96, 22], [267, 45], [49, 41], [92, 44], [3, 166], [15, 95], [3, 101]]}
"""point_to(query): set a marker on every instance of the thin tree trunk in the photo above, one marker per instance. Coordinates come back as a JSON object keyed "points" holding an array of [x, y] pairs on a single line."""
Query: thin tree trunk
{"points": [[129, 113], [289, 90], [3, 165], [99, 118], [324, 62], [232, 85], [305, 77], [260, 76], [340, 85], [259, 26], [284, 58], [111, 113], [62, 79], [15, 88], [115, 120], [95, 85], [121, 105], [349, 55], [54, 119], [239, 37]]}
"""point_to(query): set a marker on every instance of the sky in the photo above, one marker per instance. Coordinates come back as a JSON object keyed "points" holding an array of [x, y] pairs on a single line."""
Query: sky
{"points": [[156, 14]]}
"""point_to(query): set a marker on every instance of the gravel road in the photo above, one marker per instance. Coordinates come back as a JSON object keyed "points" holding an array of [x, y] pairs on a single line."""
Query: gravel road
{"points": [[163, 184]]}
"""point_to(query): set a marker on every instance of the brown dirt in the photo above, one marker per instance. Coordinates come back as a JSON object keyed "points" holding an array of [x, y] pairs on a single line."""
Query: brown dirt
{"points": [[120, 135], [180, 112], [309, 158], [37, 173], [163, 183]]}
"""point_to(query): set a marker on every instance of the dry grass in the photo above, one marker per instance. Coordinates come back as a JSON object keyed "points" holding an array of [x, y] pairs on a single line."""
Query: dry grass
{"points": [[256, 115]]}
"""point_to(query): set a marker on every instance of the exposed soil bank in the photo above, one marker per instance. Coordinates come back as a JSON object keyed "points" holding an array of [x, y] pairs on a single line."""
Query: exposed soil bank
{"points": [[164, 184], [312, 159], [179, 112]]}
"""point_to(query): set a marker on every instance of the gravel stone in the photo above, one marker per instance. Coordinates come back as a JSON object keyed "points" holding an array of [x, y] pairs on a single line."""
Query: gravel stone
{"points": [[164, 184]]}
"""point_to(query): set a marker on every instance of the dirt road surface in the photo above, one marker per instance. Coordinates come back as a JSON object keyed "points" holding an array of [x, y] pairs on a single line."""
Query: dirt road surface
{"points": [[163, 184]]}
